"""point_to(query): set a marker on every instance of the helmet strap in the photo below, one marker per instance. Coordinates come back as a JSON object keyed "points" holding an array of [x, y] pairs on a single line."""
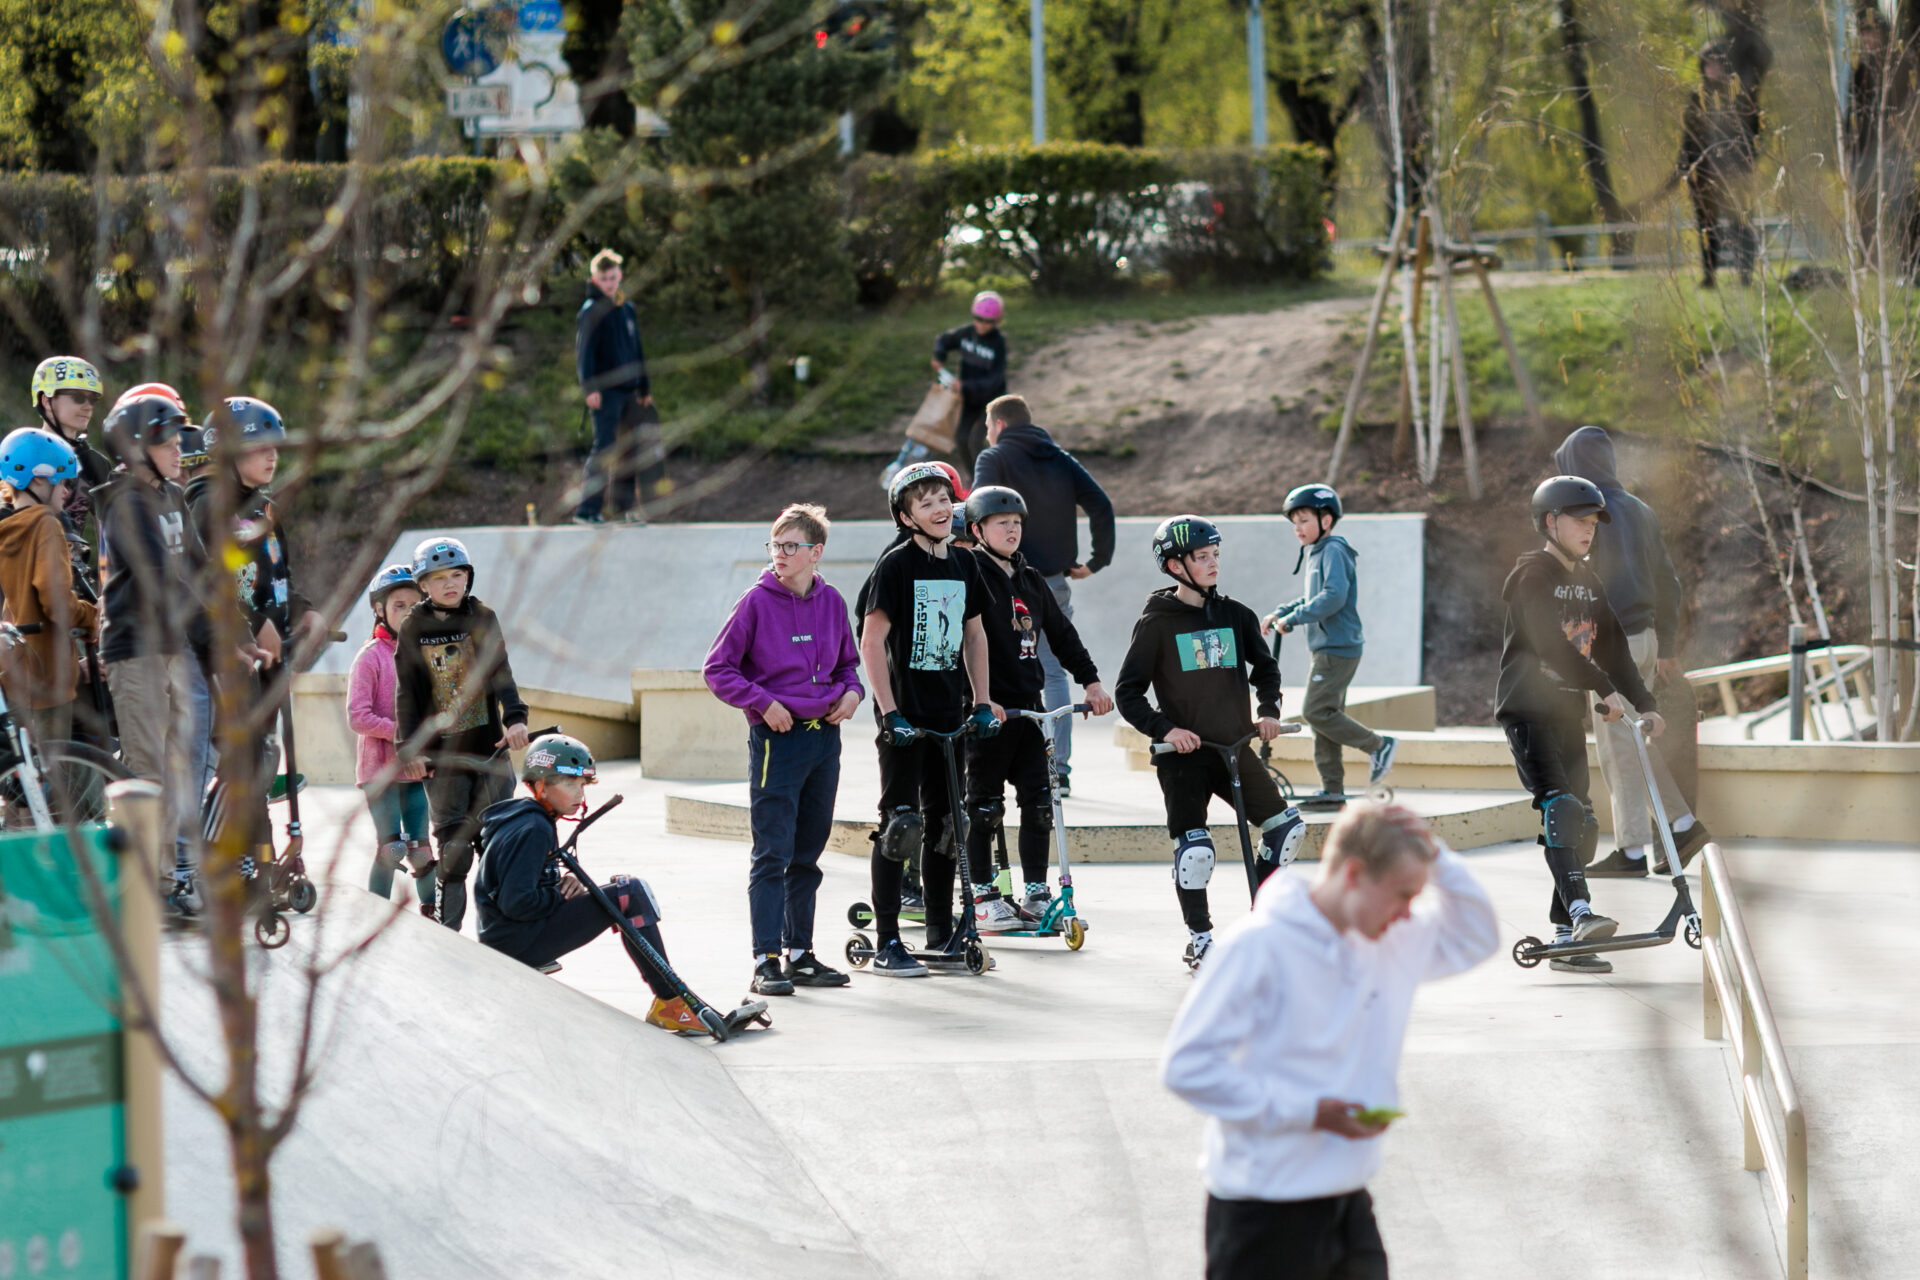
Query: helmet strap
{"points": [[1206, 594]]}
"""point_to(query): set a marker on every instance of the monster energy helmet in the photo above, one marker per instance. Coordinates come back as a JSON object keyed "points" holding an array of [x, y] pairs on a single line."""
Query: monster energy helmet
{"points": [[557, 756], [1181, 536]]}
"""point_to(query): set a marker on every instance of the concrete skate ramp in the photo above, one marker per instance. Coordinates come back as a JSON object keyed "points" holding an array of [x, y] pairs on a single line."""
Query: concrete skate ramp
{"points": [[584, 607], [478, 1119]]}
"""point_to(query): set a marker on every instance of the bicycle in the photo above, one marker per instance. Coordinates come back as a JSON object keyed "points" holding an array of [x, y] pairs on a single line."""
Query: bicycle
{"points": [[51, 784]]}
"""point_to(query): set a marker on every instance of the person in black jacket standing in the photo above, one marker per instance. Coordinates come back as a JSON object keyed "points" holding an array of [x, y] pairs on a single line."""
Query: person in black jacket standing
{"points": [[1024, 458], [983, 365], [613, 374]]}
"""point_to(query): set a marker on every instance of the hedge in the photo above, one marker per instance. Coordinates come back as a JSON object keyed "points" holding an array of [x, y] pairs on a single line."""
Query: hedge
{"points": [[1066, 218]]}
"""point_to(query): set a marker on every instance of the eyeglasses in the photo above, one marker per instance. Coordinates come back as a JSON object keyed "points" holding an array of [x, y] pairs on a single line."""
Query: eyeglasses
{"points": [[789, 548]]}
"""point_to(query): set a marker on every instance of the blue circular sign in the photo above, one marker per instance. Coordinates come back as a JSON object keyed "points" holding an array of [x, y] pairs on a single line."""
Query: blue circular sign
{"points": [[467, 45]]}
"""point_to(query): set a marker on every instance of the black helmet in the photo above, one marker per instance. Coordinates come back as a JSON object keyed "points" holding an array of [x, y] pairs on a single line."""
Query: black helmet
{"points": [[1567, 496], [142, 421], [242, 422], [1318, 497], [994, 500], [1181, 536]]}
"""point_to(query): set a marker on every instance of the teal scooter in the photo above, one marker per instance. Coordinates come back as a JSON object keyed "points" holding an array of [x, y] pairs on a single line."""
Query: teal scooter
{"points": [[1059, 920]]}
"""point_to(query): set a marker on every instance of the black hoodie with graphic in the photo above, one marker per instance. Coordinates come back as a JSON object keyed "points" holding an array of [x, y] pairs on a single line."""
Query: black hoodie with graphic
{"points": [[1199, 663], [1628, 553], [1561, 642], [1020, 609], [263, 578], [451, 667], [151, 560]]}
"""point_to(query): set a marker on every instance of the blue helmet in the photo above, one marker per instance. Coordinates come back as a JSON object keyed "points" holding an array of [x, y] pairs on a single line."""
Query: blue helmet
{"points": [[35, 453], [243, 423], [394, 575], [442, 553]]}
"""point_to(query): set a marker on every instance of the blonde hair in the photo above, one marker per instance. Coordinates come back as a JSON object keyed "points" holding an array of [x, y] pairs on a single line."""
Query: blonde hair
{"points": [[808, 517], [1378, 835], [604, 259]]}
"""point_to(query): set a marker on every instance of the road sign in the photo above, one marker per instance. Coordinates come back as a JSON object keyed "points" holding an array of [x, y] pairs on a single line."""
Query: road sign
{"points": [[466, 100], [470, 44], [540, 15]]}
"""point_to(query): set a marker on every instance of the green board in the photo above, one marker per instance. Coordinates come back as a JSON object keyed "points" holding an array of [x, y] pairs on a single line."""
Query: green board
{"points": [[62, 1134]]}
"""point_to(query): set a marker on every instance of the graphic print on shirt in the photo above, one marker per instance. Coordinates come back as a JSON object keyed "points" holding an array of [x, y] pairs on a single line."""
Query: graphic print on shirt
{"points": [[449, 661], [1029, 638], [1206, 650], [939, 619], [1577, 622], [173, 532]]}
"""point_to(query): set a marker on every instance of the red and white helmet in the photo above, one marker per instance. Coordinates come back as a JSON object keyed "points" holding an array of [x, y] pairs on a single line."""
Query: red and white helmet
{"points": [[987, 305]]}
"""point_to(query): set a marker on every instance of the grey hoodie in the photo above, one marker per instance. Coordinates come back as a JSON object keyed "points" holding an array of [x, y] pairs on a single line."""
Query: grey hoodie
{"points": [[1331, 607], [1629, 555]]}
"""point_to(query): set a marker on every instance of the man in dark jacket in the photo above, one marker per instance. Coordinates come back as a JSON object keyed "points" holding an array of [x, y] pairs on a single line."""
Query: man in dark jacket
{"points": [[613, 375], [1630, 559], [1024, 458], [1719, 146]]}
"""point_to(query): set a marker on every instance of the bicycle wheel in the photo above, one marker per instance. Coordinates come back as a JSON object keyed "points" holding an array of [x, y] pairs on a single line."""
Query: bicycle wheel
{"points": [[76, 776]]}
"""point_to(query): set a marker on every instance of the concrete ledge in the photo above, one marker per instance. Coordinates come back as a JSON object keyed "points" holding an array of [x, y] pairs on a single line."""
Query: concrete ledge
{"points": [[1392, 708], [686, 732], [1463, 820]]}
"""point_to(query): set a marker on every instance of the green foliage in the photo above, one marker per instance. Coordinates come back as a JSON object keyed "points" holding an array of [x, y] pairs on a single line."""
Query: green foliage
{"points": [[1248, 218], [73, 77]]}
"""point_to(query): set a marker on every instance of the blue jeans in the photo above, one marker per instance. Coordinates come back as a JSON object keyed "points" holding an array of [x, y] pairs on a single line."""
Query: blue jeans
{"points": [[399, 814], [200, 745], [626, 459], [792, 782], [1057, 692]]}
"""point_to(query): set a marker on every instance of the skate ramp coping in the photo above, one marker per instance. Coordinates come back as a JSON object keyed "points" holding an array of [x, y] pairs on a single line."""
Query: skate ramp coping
{"points": [[584, 607], [481, 1120]]}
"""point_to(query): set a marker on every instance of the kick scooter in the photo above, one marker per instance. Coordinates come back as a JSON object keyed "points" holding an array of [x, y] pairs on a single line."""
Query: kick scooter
{"points": [[964, 949], [1230, 752], [719, 1025], [1529, 952], [1059, 920]]}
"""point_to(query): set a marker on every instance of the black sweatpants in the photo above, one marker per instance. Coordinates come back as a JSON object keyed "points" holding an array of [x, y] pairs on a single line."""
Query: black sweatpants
{"points": [[916, 777], [580, 920], [1550, 753], [456, 797], [1187, 782], [1331, 1238], [1017, 754]]}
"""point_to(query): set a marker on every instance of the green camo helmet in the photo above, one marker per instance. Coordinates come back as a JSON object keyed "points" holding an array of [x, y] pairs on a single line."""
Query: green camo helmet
{"points": [[557, 756]]}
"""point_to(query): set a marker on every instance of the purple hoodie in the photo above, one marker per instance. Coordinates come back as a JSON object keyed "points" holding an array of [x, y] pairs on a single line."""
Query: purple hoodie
{"points": [[777, 647]]}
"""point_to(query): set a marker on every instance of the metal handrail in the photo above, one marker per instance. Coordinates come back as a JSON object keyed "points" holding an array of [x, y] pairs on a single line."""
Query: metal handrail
{"points": [[1725, 953]]}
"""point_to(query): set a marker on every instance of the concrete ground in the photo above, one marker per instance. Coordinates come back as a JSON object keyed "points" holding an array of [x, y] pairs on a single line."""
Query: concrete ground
{"points": [[480, 1120]]}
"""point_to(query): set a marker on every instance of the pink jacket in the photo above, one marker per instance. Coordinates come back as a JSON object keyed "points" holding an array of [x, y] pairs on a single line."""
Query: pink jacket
{"points": [[370, 705]]}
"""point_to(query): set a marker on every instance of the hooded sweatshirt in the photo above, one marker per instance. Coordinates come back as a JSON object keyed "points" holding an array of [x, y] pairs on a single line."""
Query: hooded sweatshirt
{"points": [[779, 647], [1628, 554], [518, 885], [151, 560], [263, 575], [1561, 642], [606, 345], [452, 666], [1026, 460], [983, 361], [1020, 609], [1196, 662], [36, 581], [1331, 606]]}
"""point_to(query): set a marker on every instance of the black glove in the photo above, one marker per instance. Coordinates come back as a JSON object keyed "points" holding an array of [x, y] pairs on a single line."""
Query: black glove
{"points": [[899, 730], [983, 721]]}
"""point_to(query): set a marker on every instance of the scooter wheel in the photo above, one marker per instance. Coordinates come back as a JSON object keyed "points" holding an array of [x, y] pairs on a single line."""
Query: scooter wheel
{"points": [[859, 950], [975, 957], [859, 915], [272, 931], [302, 896], [1075, 934], [1693, 932], [1526, 952], [1380, 793]]}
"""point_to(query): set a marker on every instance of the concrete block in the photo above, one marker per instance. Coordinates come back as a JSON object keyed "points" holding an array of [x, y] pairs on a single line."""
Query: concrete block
{"points": [[686, 732]]}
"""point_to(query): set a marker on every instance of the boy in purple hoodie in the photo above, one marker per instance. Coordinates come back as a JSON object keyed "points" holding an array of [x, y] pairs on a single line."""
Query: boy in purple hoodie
{"points": [[786, 657]]}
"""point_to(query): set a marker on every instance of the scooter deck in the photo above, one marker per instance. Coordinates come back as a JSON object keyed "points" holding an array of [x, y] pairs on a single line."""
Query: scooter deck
{"points": [[752, 1015], [861, 916]]}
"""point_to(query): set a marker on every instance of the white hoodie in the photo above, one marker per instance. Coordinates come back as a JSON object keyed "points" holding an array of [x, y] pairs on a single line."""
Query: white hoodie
{"points": [[1287, 1010]]}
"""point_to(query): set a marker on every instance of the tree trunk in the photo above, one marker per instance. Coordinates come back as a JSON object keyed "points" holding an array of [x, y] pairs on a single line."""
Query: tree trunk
{"points": [[1593, 148]]}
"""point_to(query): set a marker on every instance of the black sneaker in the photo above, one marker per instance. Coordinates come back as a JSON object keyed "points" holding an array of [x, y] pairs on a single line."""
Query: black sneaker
{"points": [[768, 980], [1580, 964], [1591, 926], [808, 971], [1687, 844], [911, 901], [1618, 866], [893, 960]]}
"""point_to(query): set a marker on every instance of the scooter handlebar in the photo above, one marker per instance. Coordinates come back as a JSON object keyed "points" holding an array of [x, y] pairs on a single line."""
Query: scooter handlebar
{"points": [[1076, 709], [1163, 748]]}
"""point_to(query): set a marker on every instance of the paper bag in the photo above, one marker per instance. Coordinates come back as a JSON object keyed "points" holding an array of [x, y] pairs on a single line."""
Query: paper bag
{"points": [[937, 419]]}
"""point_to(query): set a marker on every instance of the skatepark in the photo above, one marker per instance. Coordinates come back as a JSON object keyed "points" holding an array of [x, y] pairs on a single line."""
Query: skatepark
{"points": [[478, 1118]]}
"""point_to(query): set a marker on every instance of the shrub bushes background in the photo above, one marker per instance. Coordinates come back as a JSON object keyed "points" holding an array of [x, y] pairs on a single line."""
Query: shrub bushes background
{"points": [[1068, 218]]}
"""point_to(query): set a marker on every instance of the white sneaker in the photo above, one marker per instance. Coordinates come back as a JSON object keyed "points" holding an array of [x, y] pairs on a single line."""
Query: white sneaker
{"points": [[996, 915], [1037, 903]]}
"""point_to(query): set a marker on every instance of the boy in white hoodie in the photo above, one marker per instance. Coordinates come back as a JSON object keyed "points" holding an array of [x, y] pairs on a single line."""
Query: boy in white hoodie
{"points": [[1290, 1042]]}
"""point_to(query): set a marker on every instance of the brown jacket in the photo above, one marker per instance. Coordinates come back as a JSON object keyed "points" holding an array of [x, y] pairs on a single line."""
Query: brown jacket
{"points": [[36, 581]]}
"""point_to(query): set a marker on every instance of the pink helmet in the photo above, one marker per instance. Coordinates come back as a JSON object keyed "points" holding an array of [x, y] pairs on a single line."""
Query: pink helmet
{"points": [[988, 306]]}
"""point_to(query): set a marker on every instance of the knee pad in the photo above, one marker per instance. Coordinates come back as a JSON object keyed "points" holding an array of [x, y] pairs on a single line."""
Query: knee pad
{"points": [[1193, 859], [456, 860], [988, 816], [420, 858], [1566, 823], [390, 856], [1038, 816], [900, 836], [1280, 837], [635, 897]]}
